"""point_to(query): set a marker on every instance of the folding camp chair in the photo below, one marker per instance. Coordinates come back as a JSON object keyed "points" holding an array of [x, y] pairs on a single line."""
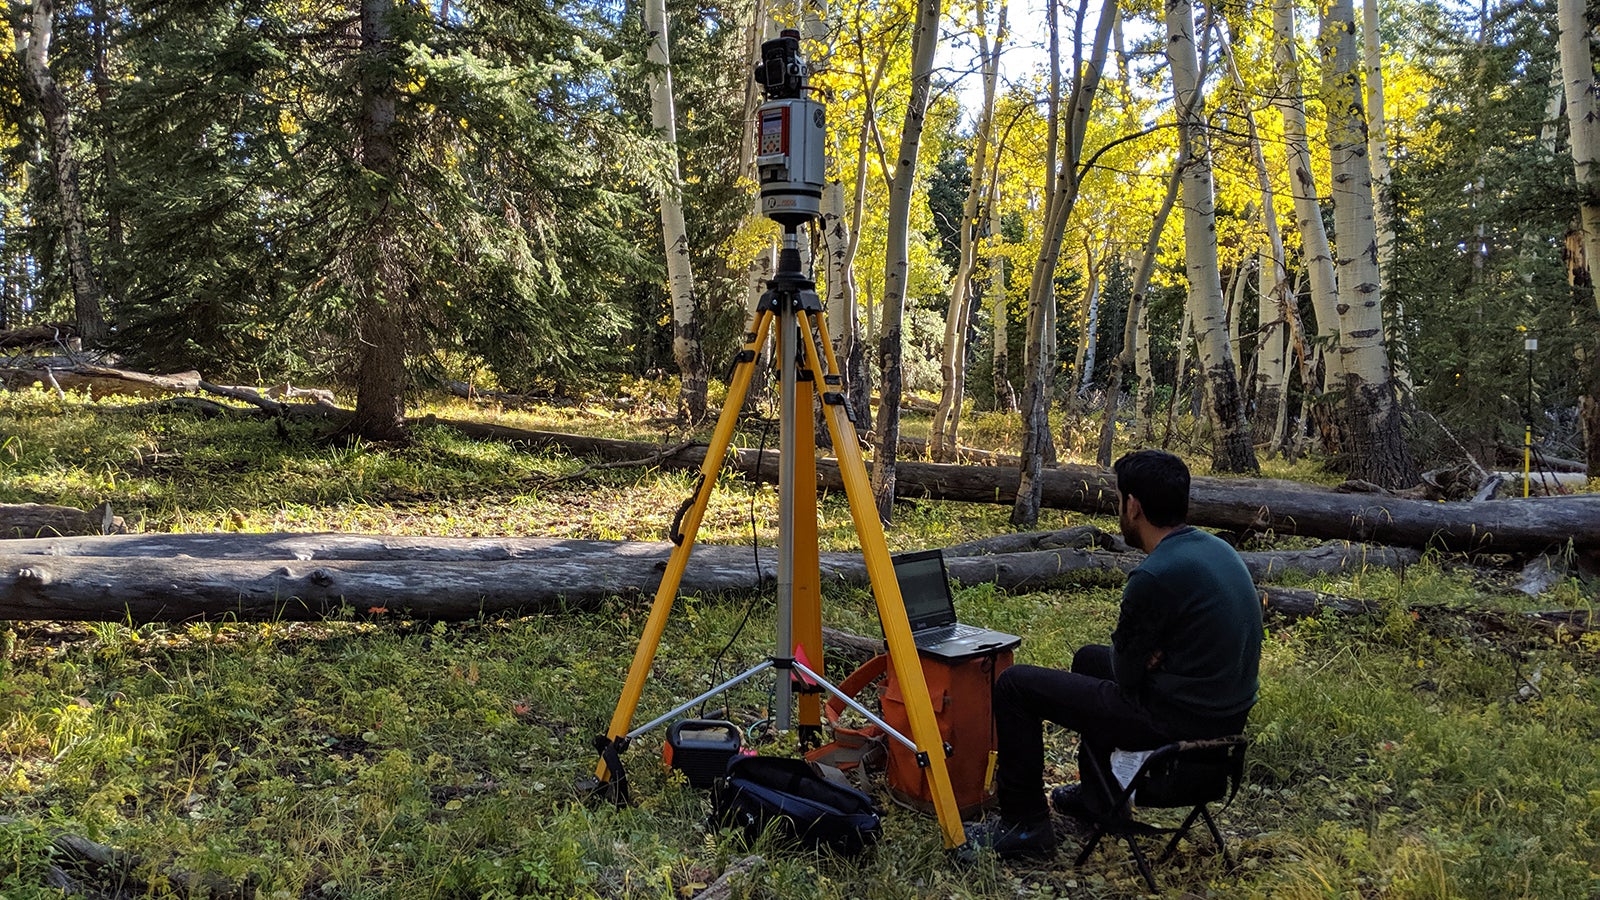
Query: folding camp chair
{"points": [[1184, 773]]}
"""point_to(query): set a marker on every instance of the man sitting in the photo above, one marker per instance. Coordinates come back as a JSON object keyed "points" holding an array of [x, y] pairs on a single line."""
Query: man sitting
{"points": [[1182, 664]]}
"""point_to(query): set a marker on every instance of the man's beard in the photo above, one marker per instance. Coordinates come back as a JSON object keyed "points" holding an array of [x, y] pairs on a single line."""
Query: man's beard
{"points": [[1129, 533]]}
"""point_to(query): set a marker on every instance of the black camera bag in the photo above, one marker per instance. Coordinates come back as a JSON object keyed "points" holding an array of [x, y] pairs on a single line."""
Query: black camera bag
{"points": [[789, 796]]}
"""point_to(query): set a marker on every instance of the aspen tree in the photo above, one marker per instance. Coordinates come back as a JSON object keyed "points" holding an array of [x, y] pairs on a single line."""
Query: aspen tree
{"points": [[947, 416], [1231, 446], [897, 263], [687, 350], [1063, 194], [1372, 423]]}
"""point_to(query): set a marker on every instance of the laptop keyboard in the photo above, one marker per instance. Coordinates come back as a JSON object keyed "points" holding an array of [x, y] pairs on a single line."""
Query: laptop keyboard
{"points": [[944, 633]]}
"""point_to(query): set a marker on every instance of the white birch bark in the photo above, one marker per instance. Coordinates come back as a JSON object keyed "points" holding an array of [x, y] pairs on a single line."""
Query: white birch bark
{"points": [[1377, 448], [687, 350], [1231, 446]]}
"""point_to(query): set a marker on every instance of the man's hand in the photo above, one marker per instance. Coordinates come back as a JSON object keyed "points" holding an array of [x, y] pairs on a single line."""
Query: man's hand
{"points": [[1153, 662]]}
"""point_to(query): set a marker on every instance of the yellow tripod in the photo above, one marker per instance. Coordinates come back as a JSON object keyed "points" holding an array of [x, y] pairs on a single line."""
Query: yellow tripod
{"points": [[792, 308]]}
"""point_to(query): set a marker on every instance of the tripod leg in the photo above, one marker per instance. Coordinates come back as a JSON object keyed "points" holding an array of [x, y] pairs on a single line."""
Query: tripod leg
{"points": [[806, 605], [667, 591], [891, 608]]}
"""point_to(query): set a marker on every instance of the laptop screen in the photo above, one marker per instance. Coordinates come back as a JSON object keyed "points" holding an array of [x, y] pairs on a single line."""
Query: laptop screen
{"points": [[924, 589]]}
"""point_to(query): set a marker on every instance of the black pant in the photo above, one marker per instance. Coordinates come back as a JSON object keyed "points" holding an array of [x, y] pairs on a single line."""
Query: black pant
{"points": [[1086, 700]]}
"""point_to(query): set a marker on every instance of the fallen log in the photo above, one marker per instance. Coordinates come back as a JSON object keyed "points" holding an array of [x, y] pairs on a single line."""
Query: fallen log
{"points": [[60, 334], [1079, 537], [101, 381], [33, 520], [175, 577], [738, 872], [1522, 526], [95, 865]]}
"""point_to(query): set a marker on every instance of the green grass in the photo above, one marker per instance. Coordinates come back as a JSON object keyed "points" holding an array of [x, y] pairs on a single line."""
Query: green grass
{"points": [[1394, 756]]}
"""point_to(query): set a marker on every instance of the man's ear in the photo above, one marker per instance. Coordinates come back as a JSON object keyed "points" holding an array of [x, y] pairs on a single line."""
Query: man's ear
{"points": [[1134, 508]]}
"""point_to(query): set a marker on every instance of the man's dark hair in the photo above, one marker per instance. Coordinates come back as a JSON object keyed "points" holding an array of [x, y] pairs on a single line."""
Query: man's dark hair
{"points": [[1160, 481]]}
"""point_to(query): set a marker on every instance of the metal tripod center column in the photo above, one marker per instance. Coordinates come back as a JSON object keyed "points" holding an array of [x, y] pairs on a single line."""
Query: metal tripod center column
{"points": [[785, 289], [788, 293]]}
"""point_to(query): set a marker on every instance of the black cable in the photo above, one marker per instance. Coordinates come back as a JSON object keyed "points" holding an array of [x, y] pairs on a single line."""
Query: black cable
{"points": [[755, 550]]}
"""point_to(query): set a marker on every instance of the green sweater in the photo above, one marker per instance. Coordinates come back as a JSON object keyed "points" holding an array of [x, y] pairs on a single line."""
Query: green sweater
{"points": [[1191, 601]]}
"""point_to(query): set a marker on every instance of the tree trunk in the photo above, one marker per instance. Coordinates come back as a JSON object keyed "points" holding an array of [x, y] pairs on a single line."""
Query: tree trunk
{"points": [[1073, 401], [1231, 449], [1134, 325], [1372, 422], [1583, 118], [1272, 420], [1317, 256], [1589, 410], [33, 48], [687, 351], [896, 263], [1005, 395], [1041, 288], [853, 352], [1179, 373], [1276, 316], [382, 283], [1383, 206], [953, 361], [1083, 366], [1145, 403]]}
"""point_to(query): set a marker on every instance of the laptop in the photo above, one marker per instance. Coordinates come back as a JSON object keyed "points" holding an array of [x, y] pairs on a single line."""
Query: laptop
{"points": [[925, 590]]}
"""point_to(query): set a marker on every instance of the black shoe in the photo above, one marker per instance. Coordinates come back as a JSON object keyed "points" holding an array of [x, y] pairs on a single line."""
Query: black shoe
{"points": [[1010, 839], [1068, 800]]}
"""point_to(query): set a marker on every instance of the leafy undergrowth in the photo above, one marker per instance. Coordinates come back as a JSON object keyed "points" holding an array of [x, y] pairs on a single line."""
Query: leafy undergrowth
{"points": [[1395, 756]]}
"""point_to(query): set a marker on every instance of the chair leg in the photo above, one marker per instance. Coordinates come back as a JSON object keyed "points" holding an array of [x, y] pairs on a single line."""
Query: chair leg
{"points": [[1088, 847], [1144, 864], [1217, 835], [1177, 836]]}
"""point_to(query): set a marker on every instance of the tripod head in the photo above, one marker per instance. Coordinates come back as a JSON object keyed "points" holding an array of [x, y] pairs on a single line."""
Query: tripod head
{"points": [[791, 137]]}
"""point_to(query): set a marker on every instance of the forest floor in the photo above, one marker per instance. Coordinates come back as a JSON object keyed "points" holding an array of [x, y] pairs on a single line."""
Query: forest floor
{"points": [[1392, 756]]}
